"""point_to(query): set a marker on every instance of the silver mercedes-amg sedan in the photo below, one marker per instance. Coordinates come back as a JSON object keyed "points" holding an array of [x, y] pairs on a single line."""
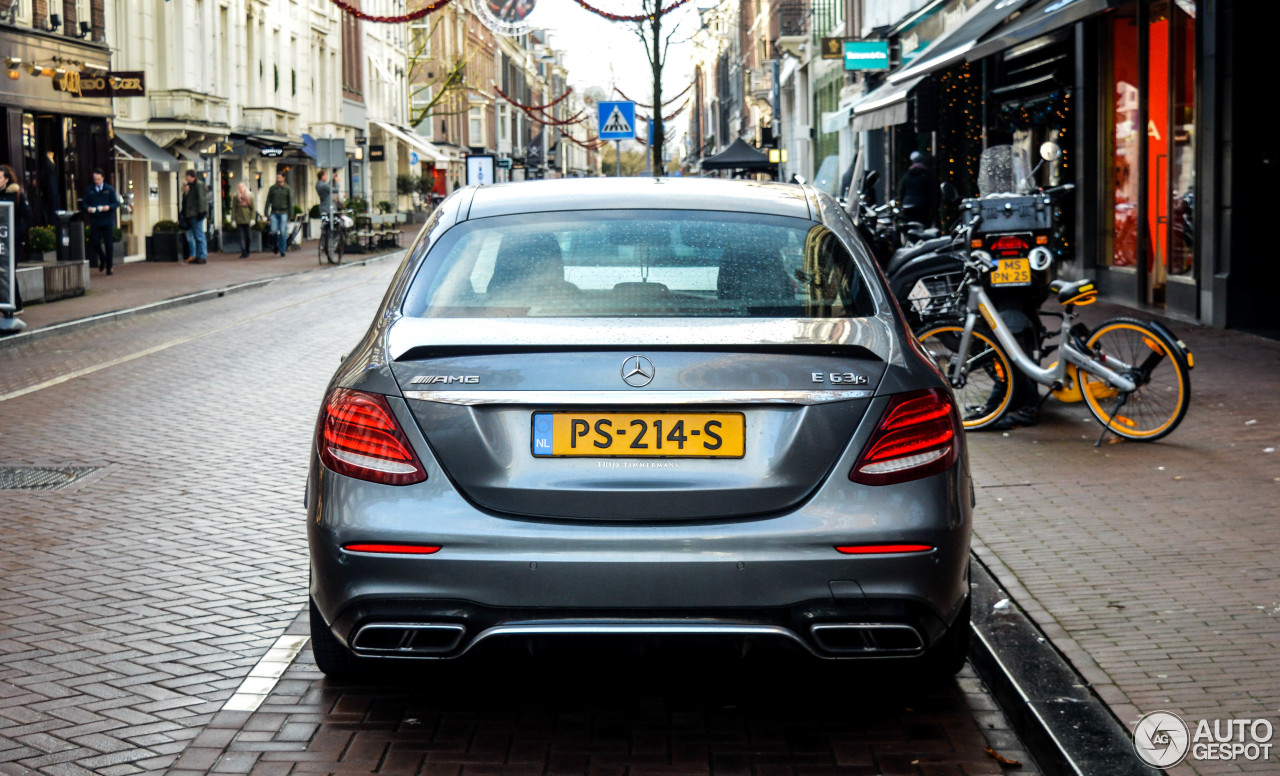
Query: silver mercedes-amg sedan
{"points": [[634, 408]]}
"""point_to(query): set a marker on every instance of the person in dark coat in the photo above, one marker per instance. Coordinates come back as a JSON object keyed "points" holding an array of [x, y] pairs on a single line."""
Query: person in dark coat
{"points": [[918, 192], [11, 191], [194, 210], [101, 202]]}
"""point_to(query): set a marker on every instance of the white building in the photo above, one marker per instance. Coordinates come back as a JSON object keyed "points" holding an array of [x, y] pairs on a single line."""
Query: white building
{"points": [[239, 89]]}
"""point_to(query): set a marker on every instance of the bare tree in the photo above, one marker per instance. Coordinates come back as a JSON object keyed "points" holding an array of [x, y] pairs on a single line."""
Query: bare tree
{"points": [[656, 45], [446, 79]]}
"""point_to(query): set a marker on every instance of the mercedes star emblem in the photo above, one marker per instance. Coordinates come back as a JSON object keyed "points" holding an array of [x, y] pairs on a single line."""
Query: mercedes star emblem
{"points": [[637, 371]]}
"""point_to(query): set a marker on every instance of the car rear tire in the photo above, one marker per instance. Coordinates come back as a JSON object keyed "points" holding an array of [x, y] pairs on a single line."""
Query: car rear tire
{"points": [[332, 656]]}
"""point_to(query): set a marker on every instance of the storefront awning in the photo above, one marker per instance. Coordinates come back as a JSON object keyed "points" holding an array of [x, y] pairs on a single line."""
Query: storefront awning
{"points": [[1042, 18], [412, 140], [885, 106], [138, 147], [953, 47]]}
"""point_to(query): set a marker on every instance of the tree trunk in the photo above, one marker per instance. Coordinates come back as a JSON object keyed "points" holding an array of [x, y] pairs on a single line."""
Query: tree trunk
{"points": [[659, 130]]}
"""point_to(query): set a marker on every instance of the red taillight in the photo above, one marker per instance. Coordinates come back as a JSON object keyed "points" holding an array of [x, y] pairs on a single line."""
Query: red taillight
{"points": [[882, 549], [1009, 245], [393, 549], [359, 437], [916, 438]]}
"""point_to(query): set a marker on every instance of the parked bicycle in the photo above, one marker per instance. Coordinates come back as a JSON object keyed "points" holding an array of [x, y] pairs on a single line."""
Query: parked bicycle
{"points": [[333, 237], [1134, 376]]}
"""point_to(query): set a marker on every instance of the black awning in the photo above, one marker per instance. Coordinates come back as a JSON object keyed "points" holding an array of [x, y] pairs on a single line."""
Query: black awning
{"points": [[885, 106], [1043, 18], [140, 148], [953, 47], [739, 156]]}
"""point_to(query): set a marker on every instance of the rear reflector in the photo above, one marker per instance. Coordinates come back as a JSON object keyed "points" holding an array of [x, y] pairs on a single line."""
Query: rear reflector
{"points": [[916, 438], [359, 437], [882, 549], [393, 549]]}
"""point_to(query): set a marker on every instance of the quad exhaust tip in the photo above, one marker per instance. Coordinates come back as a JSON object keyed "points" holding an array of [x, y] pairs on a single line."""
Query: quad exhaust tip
{"points": [[868, 638], [407, 638]]}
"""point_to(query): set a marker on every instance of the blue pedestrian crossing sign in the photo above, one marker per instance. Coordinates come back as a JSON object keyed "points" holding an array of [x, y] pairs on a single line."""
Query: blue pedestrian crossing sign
{"points": [[617, 120]]}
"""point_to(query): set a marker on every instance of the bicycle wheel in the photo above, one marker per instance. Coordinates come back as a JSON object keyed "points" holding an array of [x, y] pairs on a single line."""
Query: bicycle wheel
{"points": [[986, 387], [339, 244], [1132, 348], [324, 245]]}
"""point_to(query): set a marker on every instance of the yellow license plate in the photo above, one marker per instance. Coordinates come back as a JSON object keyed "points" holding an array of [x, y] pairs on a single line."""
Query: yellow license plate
{"points": [[639, 434], [1012, 272]]}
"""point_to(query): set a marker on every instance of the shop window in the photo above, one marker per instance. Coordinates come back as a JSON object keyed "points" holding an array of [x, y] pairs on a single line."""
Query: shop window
{"points": [[1122, 141]]}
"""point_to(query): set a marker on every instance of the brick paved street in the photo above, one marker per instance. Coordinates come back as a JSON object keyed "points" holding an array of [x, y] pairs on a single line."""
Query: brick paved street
{"points": [[136, 601], [1153, 566]]}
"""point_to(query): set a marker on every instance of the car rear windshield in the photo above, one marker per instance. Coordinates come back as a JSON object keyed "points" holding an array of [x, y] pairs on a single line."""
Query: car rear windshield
{"points": [[639, 263]]}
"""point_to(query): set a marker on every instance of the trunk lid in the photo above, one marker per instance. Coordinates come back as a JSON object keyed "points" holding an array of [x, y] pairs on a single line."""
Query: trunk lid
{"points": [[799, 407]]}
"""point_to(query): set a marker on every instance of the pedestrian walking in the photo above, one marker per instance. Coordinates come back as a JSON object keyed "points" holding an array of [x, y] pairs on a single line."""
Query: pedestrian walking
{"points": [[325, 191], [280, 210], [101, 202], [242, 216], [918, 192], [11, 191], [195, 208]]}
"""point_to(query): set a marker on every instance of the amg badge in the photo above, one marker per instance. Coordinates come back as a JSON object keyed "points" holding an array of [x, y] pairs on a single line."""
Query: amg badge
{"points": [[445, 379]]}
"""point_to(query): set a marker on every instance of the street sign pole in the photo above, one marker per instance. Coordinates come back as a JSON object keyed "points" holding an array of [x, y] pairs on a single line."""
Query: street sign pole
{"points": [[617, 167]]}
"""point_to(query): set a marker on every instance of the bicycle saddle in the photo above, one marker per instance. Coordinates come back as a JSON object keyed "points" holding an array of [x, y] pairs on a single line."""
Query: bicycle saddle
{"points": [[1079, 292]]}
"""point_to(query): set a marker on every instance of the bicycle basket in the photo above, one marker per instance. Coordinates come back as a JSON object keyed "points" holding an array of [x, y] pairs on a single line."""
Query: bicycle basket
{"points": [[936, 296]]}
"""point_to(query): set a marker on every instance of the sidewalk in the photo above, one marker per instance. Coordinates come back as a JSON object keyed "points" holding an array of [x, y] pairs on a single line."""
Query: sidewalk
{"points": [[141, 283], [1152, 567]]}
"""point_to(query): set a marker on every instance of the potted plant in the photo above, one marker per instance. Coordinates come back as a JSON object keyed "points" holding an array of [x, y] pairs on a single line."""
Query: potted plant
{"points": [[385, 207], [42, 244], [117, 237], [167, 242]]}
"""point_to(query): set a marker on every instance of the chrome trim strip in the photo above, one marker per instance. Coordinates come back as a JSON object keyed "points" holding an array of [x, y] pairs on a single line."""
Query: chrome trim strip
{"points": [[636, 397], [621, 628]]}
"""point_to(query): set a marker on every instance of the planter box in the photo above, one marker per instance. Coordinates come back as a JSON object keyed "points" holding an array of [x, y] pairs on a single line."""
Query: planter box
{"points": [[313, 227], [255, 241], [119, 254], [166, 246], [30, 279], [64, 279], [47, 257]]}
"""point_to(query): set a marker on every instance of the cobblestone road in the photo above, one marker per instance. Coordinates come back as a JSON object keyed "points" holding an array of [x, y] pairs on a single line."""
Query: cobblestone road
{"points": [[136, 601]]}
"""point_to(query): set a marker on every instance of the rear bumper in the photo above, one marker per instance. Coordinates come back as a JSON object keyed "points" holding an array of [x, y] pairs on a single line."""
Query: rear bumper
{"points": [[775, 577]]}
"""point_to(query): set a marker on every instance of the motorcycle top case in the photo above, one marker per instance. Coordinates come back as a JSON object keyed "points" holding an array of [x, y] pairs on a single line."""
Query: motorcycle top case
{"points": [[1009, 213]]}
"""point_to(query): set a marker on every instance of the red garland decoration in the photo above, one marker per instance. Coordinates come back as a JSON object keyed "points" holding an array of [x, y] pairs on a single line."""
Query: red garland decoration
{"points": [[551, 104], [637, 18], [665, 102], [409, 17], [669, 116]]}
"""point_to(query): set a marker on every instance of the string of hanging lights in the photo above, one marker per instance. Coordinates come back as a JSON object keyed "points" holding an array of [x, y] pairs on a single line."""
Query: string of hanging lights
{"points": [[646, 105]]}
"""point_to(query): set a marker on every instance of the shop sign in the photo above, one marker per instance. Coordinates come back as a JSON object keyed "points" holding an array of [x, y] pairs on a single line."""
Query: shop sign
{"points": [[377, 153], [272, 152], [833, 48], [126, 83], [866, 55], [68, 82]]}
